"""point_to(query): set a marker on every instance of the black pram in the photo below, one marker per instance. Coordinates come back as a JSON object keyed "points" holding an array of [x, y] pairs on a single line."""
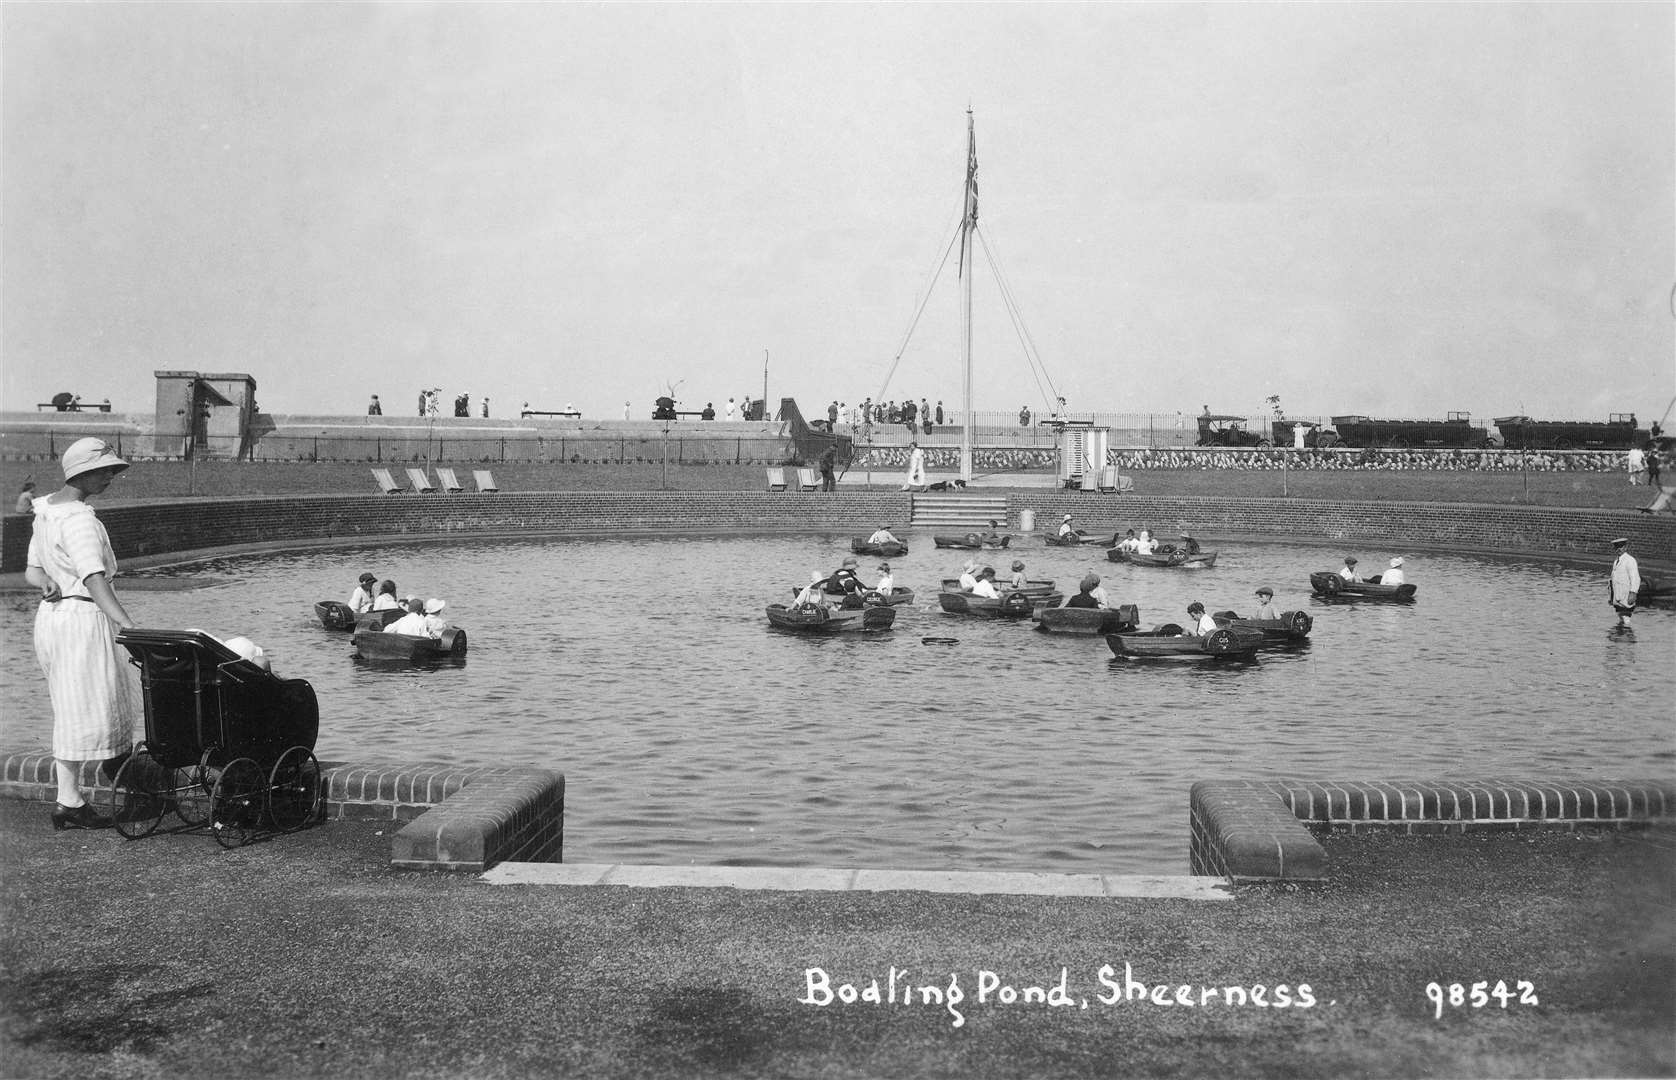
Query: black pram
{"points": [[227, 743]]}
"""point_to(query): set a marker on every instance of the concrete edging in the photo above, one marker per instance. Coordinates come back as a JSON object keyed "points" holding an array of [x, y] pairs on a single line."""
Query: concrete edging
{"points": [[1263, 830], [457, 818]]}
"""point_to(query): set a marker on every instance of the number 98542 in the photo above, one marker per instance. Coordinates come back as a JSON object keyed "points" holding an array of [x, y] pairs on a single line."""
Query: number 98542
{"points": [[1479, 994]]}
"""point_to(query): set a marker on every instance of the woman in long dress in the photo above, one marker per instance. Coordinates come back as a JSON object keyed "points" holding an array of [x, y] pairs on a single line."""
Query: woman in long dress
{"points": [[95, 694], [916, 467]]}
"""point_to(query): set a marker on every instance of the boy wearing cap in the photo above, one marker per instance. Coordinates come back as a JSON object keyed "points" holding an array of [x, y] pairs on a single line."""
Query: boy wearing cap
{"points": [[1624, 588], [1349, 572], [1265, 604], [94, 691]]}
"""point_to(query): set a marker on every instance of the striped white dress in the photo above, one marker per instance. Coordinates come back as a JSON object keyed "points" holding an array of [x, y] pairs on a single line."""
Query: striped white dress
{"points": [[96, 699]]}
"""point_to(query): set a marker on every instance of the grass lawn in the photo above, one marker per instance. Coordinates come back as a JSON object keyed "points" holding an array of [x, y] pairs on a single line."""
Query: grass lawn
{"points": [[175, 479]]}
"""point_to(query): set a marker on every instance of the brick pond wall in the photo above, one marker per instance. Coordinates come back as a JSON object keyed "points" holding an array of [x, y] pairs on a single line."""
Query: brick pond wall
{"points": [[151, 532]]}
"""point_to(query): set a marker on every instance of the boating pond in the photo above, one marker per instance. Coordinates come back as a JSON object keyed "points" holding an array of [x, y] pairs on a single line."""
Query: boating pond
{"points": [[689, 731]]}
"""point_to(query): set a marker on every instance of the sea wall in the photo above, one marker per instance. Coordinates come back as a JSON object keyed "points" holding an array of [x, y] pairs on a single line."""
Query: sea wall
{"points": [[157, 532]]}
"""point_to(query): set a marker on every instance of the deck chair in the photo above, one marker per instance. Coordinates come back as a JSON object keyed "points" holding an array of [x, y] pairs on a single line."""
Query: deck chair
{"points": [[420, 481], [485, 480], [387, 482], [1110, 481], [808, 480], [449, 483], [776, 479]]}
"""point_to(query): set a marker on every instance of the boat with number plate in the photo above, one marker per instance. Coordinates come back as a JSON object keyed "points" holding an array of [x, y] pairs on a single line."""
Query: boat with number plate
{"points": [[1185, 556], [1011, 604], [335, 615], [862, 546], [374, 644], [1038, 586], [973, 541], [1292, 628], [1328, 585], [818, 619], [1077, 539], [1168, 642], [1090, 621]]}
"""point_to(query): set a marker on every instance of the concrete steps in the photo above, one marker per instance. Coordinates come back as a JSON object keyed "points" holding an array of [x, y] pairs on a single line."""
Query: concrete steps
{"points": [[960, 512]]}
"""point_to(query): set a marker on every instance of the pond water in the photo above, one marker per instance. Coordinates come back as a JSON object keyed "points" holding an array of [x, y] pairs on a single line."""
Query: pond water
{"points": [[689, 731]]}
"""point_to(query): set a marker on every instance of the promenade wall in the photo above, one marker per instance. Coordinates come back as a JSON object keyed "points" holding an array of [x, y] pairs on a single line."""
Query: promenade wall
{"points": [[162, 531]]}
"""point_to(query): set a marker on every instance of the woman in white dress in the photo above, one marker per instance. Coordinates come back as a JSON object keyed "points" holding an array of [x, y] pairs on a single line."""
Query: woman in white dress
{"points": [[916, 466], [95, 692]]}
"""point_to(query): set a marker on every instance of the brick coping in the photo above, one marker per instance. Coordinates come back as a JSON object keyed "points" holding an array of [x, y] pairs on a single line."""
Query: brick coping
{"points": [[1264, 830], [456, 817], [827, 879]]}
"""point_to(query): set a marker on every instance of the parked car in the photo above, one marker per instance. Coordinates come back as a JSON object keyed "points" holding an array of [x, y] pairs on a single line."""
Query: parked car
{"points": [[1228, 431]]}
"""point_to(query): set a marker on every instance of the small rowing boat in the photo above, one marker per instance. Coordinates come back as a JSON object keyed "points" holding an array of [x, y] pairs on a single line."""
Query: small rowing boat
{"points": [[1187, 556], [860, 546], [1091, 621], [1331, 586], [1292, 628], [972, 541], [816, 619], [373, 644], [1011, 604], [1167, 642]]}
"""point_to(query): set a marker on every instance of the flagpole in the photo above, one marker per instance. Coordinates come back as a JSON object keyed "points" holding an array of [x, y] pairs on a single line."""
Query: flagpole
{"points": [[969, 223]]}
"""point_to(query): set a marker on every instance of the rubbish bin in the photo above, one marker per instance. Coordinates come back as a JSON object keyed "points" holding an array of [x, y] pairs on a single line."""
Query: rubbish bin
{"points": [[1027, 521]]}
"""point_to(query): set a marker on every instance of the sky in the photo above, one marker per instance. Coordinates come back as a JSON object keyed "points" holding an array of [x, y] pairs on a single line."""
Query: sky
{"points": [[1393, 209]]}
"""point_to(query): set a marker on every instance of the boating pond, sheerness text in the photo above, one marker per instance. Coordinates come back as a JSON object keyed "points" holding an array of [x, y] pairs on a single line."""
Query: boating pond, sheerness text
{"points": [[689, 731]]}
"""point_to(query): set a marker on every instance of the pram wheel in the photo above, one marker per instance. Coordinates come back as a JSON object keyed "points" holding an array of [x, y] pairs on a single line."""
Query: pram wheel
{"points": [[138, 799], [295, 790], [236, 803], [192, 793]]}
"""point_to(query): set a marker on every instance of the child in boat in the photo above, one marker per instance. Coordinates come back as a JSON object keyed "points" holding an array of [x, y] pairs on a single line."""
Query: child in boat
{"points": [[886, 581], [386, 598], [435, 624], [985, 585], [1394, 575], [883, 536], [360, 601], [1349, 572], [1017, 580], [969, 576], [413, 623], [1203, 625], [1085, 593], [1265, 604], [814, 592]]}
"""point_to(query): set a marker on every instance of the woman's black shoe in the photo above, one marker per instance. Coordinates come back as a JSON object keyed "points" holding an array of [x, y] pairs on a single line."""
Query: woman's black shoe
{"points": [[78, 817]]}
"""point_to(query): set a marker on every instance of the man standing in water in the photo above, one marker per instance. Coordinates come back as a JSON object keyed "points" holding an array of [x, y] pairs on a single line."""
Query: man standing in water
{"points": [[1626, 583]]}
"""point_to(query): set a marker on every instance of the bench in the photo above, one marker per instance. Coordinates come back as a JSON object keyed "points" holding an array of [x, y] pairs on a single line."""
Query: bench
{"points": [[572, 414]]}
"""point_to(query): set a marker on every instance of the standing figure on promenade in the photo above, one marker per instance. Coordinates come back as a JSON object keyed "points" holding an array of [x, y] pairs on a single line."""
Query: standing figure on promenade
{"points": [[374, 408], [916, 468], [95, 692], [829, 459], [1624, 588]]}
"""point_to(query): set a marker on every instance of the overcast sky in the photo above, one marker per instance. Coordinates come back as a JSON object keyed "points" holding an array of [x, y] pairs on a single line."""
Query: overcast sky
{"points": [[1392, 209]]}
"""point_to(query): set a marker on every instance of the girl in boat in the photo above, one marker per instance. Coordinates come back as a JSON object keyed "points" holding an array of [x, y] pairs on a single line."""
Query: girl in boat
{"points": [[386, 598], [361, 600]]}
